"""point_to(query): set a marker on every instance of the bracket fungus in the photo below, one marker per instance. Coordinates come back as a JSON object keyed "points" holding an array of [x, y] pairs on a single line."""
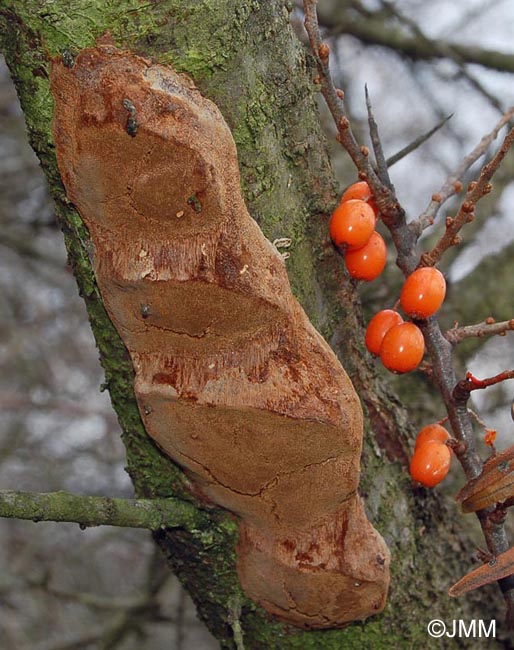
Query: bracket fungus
{"points": [[232, 381]]}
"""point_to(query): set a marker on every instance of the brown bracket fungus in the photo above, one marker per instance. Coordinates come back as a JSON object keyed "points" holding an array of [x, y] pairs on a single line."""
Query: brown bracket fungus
{"points": [[232, 380]]}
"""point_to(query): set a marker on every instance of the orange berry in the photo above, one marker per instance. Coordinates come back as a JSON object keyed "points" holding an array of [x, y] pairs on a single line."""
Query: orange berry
{"points": [[402, 348], [423, 292], [377, 328], [430, 463], [359, 190], [352, 223], [368, 262], [431, 432]]}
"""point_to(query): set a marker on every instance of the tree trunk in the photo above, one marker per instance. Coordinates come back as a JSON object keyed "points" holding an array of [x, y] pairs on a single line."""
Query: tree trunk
{"points": [[244, 56]]}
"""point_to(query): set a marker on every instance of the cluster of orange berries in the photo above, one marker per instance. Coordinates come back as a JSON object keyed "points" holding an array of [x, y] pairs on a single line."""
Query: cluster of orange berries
{"points": [[352, 226], [432, 455], [400, 345]]}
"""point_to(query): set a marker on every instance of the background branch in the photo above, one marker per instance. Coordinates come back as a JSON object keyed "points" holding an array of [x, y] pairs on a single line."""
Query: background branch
{"points": [[374, 31]]}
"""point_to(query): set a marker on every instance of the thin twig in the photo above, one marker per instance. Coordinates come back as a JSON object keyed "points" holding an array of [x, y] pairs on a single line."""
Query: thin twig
{"points": [[335, 103], [476, 191], [417, 142], [88, 599], [486, 328], [78, 643], [234, 619], [463, 389], [445, 50], [180, 632], [448, 188], [377, 144]]}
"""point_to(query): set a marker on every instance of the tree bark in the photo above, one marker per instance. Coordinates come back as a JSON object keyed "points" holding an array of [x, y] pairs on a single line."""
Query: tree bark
{"points": [[244, 56]]}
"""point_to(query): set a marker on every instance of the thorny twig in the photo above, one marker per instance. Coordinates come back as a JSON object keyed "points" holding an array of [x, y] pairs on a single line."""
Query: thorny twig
{"points": [[486, 328], [390, 209], [382, 172], [405, 239], [476, 190], [417, 142], [449, 188]]}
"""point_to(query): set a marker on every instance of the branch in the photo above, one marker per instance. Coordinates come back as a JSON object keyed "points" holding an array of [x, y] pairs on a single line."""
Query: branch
{"points": [[373, 31], [417, 142], [476, 191], [235, 622], [377, 145], [100, 511], [333, 97], [463, 389], [78, 643], [449, 187], [393, 215], [23, 247], [487, 328], [438, 348], [444, 49]]}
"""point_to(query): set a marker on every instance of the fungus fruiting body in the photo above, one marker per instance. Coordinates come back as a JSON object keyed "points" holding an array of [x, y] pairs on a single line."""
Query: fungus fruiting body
{"points": [[233, 382]]}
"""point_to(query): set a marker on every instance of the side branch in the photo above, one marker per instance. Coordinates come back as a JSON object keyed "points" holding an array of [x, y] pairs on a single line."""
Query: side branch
{"points": [[449, 187], [151, 514], [476, 191], [487, 328], [463, 389], [405, 236]]}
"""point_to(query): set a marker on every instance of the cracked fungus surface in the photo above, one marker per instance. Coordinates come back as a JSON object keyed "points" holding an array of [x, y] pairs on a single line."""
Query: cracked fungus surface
{"points": [[232, 380]]}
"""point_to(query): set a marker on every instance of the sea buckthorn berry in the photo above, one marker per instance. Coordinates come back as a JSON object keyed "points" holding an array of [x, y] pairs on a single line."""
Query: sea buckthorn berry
{"points": [[431, 432], [368, 262], [423, 292], [377, 328], [402, 348], [352, 224], [430, 463], [359, 190]]}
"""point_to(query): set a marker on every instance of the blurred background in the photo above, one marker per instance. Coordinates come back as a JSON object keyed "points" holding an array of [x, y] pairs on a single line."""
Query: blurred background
{"points": [[57, 429]]}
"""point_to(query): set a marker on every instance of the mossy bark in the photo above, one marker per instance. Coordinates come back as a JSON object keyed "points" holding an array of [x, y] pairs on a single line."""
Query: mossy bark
{"points": [[153, 514], [244, 56]]}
